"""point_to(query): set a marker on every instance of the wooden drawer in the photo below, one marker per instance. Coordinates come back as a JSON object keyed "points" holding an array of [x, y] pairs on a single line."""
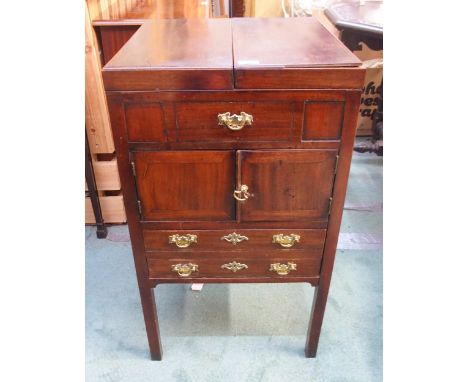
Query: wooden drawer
{"points": [[306, 118], [234, 240], [234, 266], [198, 121]]}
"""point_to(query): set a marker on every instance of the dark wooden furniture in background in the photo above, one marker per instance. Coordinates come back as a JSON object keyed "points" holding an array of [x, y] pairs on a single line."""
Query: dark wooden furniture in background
{"points": [[358, 23], [362, 24], [234, 140]]}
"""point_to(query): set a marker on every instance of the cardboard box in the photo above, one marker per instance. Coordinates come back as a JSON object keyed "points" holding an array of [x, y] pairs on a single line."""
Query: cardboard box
{"points": [[373, 62]]}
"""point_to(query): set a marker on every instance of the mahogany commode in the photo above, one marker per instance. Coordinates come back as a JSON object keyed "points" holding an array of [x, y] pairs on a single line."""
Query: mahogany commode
{"points": [[234, 140]]}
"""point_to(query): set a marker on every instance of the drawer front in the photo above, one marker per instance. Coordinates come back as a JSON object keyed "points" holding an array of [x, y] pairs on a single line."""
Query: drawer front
{"points": [[208, 121], [194, 118], [271, 240], [294, 265]]}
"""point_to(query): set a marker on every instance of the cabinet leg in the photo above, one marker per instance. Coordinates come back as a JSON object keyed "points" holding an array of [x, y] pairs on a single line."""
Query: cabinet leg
{"points": [[316, 318], [151, 323]]}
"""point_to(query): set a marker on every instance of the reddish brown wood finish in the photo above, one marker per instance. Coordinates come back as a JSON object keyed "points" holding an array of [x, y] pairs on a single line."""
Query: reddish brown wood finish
{"points": [[168, 122], [298, 78], [204, 50], [216, 225], [113, 38], [257, 267], [189, 54], [257, 240], [287, 43], [151, 322], [145, 122], [322, 120], [198, 121], [168, 79], [307, 56], [187, 185], [116, 28], [286, 185], [339, 193]]}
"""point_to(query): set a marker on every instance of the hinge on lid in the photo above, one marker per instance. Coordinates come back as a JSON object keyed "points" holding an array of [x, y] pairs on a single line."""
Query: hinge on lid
{"points": [[139, 208], [336, 163], [330, 205], [133, 168]]}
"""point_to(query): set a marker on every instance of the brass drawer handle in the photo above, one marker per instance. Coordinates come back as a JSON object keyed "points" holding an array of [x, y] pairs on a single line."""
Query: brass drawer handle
{"points": [[242, 194], [184, 270], [283, 269], [235, 122], [182, 241], [286, 241], [234, 238], [234, 266]]}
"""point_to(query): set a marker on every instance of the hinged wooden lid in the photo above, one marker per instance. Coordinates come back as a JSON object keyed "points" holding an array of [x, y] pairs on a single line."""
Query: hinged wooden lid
{"points": [[176, 54], [291, 53], [243, 53]]}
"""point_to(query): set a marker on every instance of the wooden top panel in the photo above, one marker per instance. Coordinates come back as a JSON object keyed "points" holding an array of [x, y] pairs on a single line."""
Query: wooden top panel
{"points": [[177, 44], [300, 42], [203, 54]]}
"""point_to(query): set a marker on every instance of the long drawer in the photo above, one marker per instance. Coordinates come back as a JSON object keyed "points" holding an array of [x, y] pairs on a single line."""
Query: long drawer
{"points": [[251, 120], [235, 266], [270, 240], [234, 121]]}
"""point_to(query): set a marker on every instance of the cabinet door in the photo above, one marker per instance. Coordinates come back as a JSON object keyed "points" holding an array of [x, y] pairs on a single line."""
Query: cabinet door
{"points": [[186, 185], [286, 185]]}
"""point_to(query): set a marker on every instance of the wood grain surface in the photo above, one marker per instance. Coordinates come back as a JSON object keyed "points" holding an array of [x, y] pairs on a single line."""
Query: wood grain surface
{"points": [[257, 240], [165, 96], [286, 185]]}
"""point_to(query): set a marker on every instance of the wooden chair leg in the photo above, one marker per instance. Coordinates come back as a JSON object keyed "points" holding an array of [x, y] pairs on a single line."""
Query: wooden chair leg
{"points": [[316, 319], [151, 321]]}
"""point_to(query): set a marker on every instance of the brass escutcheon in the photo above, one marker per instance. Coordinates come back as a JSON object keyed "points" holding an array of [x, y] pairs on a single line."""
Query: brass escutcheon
{"points": [[234, 238], [182, 241], [241, 194], [283, 269], [286, 241], [234, 122], [234, 266], [184, 270]]}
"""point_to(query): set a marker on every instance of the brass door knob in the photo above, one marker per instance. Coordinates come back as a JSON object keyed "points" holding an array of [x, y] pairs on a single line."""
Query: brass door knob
{"points": [[234, 122], [283, 269], [182, 241], [242, 194], [184, 270], [286, 241]]}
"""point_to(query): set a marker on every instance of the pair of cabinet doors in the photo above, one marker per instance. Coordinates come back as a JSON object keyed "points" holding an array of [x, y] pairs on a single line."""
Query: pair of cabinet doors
{"points": [[242, 185]]}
